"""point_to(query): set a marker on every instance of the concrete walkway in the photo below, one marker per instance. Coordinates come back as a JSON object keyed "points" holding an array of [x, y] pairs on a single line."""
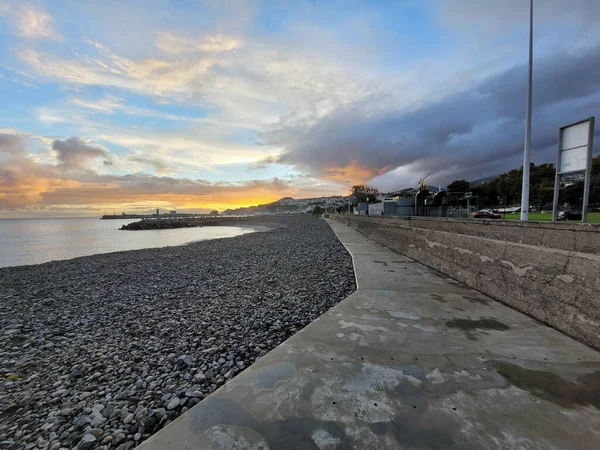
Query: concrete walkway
{"points": [[412, 360]]}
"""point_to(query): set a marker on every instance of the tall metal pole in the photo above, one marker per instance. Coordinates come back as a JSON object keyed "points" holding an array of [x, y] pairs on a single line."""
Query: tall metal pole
{"points": [[348, 183], [527, 151], [588, 171]]}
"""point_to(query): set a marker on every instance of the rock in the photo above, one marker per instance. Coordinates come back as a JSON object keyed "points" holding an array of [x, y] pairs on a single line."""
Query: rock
{"points": [[60, 392], [82, 422], [119, 438], [192, 402], [185, 361], [97, 432], [129, 418], [108, 411], [96, 419], [174, 403], [199, 377], [99, 407], [133, 400], [87, 442], [137, 436]]}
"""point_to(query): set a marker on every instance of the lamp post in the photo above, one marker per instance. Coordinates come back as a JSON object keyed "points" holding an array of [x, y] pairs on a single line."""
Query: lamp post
{"points": [[527, 149], [348, 183]]}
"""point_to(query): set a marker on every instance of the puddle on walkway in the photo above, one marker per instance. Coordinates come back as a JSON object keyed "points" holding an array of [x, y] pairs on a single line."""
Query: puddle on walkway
{"points": [[550, 386]]}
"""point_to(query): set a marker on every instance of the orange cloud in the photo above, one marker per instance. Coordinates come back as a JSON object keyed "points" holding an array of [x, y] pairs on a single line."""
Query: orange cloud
{"points": [[353, 172], [26, 184]]}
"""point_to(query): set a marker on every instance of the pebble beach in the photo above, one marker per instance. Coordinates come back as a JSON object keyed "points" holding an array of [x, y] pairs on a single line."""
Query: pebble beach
{"points": [[105, 350]]}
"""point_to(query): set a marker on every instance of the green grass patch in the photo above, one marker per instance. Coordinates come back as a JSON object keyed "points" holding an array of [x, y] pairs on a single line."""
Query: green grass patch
{"points": [[592, 217]]}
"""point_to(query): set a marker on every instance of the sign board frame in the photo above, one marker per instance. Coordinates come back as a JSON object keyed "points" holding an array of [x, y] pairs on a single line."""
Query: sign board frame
{"points": [[579, 150]]}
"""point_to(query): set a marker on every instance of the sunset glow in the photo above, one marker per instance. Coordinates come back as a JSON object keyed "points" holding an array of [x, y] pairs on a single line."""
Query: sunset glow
{"points": [[126, 106]]}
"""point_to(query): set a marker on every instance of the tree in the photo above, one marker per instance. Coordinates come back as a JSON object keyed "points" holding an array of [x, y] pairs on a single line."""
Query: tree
{"points": [[364, 193], [438, 198], [459, 186], [317, 210]]}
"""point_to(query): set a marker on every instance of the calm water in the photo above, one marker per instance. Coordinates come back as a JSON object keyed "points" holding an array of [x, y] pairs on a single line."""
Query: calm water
{"points": [[35, 241]]}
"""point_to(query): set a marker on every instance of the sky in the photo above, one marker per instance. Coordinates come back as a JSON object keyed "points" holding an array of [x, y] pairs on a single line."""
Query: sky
{"points": [[195, 105]]}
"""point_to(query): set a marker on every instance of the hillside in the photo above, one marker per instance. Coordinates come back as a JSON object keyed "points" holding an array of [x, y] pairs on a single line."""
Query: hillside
{"points": [[287, 205]]}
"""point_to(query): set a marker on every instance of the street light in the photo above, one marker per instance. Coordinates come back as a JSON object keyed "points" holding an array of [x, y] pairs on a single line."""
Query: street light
{"points": [[527, 150], [348, 183]]}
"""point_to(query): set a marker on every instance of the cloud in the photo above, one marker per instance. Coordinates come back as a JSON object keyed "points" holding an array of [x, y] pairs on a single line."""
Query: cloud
{"points": [[475, 131], [27, 184], [10, 144], [251, 87], [161, 166], [262, 164], [74, 153], [30, 21], [492, 16], [171, 43], [110, 104], [342, 101]]}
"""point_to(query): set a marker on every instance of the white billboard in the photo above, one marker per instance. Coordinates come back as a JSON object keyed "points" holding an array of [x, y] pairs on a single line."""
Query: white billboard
{"points": [[575, 143], [573, 160], [574, 147]]}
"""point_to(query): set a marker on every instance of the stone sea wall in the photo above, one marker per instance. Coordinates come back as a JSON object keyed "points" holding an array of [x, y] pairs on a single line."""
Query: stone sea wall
{"points": [[550, 271]]}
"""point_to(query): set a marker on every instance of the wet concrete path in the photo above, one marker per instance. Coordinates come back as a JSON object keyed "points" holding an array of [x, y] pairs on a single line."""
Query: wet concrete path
{"points": [[411, 360]]}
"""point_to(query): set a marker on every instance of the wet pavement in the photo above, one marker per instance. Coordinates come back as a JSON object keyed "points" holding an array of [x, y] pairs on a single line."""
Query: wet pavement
{"points": [[411, 360]]}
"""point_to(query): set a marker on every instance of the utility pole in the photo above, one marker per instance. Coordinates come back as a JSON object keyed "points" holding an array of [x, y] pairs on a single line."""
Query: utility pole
{"points": [[527, 150]]}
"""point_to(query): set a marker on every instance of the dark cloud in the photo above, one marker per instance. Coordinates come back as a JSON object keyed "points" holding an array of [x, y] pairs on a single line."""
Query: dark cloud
{"points": [[493, 16], [262, 164], [473, 132], [74, 153], [10, 144]]}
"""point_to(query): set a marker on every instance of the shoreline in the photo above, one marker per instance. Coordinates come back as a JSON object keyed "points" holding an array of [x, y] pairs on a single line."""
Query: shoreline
{"points": [[107, 350], [239, 223]]}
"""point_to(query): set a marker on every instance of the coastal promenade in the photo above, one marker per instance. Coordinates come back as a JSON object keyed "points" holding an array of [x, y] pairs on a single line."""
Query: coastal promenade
{"points": [[412, 359]]}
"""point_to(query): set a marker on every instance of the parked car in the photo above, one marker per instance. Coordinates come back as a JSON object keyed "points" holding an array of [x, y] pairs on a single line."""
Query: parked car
{"points": [[486, 214], [569, 215]]}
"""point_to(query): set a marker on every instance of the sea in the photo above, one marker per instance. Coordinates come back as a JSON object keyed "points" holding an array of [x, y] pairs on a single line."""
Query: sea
{"points": [[36, 241]]}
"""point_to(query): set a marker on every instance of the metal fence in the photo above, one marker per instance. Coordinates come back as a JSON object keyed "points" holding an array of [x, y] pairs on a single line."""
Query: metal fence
{"points": [[428, 211]]}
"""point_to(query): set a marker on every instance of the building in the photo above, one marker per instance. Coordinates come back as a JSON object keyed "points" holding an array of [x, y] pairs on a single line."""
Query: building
{"points": [[376, 209], [362, 208]]}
